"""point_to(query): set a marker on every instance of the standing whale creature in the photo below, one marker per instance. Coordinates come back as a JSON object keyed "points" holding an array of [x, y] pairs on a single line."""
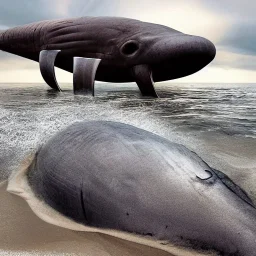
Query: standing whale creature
{"points": [[115, 176], [119, 49]]}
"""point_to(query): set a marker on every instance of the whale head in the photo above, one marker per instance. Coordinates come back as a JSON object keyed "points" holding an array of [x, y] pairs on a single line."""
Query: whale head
{"points": [[122, 44], [168, 53]]}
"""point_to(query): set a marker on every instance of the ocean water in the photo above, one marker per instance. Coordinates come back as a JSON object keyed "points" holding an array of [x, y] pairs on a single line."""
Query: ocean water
{"points": [[31, 113]]}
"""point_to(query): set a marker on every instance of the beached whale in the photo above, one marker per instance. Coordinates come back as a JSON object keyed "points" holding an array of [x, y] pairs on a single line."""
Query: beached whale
{"points": [[119, 49], [115, 176]]}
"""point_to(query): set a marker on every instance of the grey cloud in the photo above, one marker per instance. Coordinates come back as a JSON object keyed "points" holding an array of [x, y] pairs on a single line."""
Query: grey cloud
{"points": [[93, 8], [8, 61], [241, 36], [18, 12], [245, 62], [237, 9], [246, 65], [6, 55]]}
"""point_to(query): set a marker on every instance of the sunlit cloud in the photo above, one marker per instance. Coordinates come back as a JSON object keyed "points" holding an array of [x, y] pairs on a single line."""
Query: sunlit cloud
{"points": [[31, 75], [192, 18], [214, 74], [226, 59], [61, 6]]}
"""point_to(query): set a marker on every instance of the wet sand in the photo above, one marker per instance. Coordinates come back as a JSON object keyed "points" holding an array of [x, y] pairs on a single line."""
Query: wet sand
{"points": [[23, 233]]}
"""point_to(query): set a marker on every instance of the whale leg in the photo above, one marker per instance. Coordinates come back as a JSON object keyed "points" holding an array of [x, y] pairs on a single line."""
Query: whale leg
{"points": [[144, 80], [84, 75], [46, 62]]}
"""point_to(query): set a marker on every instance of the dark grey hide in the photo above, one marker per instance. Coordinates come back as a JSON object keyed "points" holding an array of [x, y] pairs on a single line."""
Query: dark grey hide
{"points": [[116, 176], [109, 49]]}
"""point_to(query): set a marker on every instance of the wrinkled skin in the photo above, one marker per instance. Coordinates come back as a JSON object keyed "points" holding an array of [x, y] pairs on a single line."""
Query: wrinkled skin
{"points": [[120, 43], [116, 176]]}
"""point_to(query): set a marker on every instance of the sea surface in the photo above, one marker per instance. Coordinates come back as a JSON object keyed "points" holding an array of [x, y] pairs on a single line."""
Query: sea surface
{"points": [[31, 113]]}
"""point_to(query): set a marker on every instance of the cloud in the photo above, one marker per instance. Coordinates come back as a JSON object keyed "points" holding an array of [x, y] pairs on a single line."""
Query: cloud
{"points": [[215, 74], [78, 8], [227, 60], [18, 12], [190, 17], [240, 36], [235, 9], [240, 39], [12, 61]]}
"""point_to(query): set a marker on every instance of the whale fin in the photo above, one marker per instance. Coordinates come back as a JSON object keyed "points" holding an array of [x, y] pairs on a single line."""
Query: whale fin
{"points": [[143, 77], [46, 61], [84, 75]]}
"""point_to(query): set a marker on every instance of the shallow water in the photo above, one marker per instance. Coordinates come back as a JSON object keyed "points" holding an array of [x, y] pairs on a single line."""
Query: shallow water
{"points": [[31, 113]]}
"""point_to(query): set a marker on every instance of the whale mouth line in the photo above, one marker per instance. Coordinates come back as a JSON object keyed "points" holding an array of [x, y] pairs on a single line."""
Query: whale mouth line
{"points": [[232, 186]]}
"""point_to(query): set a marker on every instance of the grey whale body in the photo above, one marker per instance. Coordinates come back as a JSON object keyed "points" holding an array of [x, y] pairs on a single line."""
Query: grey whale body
{"points": [[116, 176], [110, 49]]}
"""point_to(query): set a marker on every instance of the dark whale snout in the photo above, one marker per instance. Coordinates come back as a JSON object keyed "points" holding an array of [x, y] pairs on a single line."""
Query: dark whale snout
{"points": [[181, 55]]}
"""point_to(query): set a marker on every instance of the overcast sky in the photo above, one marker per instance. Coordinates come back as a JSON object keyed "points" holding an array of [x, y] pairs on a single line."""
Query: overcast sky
{"points": [[229, 24]]}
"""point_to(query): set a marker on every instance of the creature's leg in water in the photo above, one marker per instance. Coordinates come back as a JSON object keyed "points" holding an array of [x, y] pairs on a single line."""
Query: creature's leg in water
{"points": [[46, 61], [144, 80], [84, 75]]}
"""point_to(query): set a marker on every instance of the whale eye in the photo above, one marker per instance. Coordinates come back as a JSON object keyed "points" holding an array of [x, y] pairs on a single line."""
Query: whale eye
{"points": [[130, 48]]}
